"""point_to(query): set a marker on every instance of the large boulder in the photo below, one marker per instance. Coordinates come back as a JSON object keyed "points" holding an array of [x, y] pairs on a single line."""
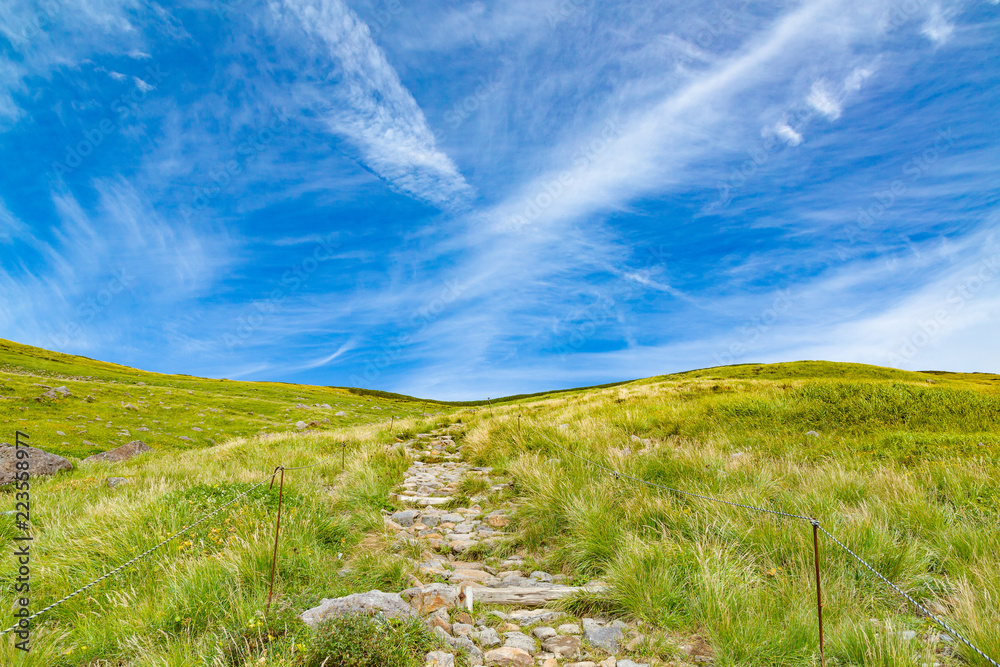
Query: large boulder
{"points": [[39, 461], [123, 453], [372, 602]]}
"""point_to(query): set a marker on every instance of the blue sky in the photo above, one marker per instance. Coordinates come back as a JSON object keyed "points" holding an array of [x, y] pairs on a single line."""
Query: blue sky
{"points": [[470, 199]]}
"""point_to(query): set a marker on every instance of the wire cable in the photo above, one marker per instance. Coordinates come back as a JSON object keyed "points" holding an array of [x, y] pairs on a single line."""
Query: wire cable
{"points": [[815, 522], [139, 557]]}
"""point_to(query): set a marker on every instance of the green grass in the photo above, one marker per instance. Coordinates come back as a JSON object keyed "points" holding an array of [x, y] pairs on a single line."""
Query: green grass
{"points": [[109, 405], [367, 641], [904, 470], [204, 592]]}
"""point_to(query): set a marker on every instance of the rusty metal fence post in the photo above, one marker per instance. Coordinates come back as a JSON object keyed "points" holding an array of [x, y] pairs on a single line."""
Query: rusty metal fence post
{"points": [[819, 592], [277, 529]]}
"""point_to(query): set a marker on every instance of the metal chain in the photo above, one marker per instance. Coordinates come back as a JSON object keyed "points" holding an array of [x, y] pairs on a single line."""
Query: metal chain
{"points": [[299, 467], [139, 557], [912, 601], [813, 521]]}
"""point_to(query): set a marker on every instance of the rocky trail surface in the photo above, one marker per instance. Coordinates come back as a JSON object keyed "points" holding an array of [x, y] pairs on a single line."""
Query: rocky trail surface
{"points": [[494, 611]]}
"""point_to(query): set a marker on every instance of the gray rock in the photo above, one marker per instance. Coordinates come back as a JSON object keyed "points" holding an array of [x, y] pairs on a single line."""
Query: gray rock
{"points": [[601, 637], [563, 646], [406, 518], [528, 617], [440, 659], [464, 528], [432, 597], [461, 629], [489, 637], [519, 640], [812, 433], [452, 518], [508, 656], [371, 602], [542, 632], [115, 482], [461, 546], [123, 453], [340, 414], [538, 575], [430, 520], [629, 663], [568, 629], [39, 461], [475, 655], [301, 406], [300, 425]]}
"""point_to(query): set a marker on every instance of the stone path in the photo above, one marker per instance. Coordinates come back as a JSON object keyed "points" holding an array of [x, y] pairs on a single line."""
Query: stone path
{"points": [[524, 634]]}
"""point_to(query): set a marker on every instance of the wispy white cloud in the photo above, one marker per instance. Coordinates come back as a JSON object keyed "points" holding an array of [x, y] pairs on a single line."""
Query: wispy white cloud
{"points": [[11, 227], [824, 101], [122, 238], [328, 359], [787, 133], [49, 36], [370, 107], [856, 79], [142, 85], [937, 27]]}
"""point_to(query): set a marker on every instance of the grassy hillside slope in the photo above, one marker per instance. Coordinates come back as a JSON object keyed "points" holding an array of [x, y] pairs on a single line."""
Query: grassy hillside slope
{"points": [[901, 466], [110, 405]]}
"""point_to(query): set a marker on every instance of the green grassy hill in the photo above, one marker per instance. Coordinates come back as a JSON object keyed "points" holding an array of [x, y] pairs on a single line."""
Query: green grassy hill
{"points": [[110, 405], [901, 466]]}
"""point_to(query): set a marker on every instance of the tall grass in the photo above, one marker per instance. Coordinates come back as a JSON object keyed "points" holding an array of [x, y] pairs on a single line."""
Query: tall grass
{"points": [[201, 598], [744, 580]]}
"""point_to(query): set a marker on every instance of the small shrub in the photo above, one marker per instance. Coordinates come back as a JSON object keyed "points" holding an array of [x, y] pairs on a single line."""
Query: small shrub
{"points": [[369, 641]]}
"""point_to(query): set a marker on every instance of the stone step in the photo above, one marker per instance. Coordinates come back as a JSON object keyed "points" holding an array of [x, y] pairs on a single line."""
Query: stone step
{"points": [[421, 500]]}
